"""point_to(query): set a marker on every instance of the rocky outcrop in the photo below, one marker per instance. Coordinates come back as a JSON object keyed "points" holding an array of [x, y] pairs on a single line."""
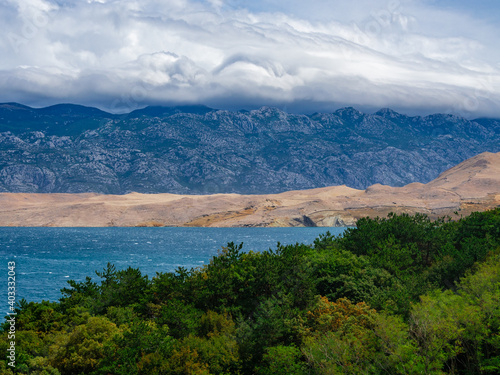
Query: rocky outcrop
{"points": [[198, 150]]}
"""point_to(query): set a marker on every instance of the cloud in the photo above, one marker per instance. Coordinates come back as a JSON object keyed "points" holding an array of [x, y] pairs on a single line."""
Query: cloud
{"points": [[120, 55]]}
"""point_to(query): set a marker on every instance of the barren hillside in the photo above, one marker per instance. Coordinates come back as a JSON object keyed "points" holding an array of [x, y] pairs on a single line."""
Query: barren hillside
{"points": [[473, 185]]}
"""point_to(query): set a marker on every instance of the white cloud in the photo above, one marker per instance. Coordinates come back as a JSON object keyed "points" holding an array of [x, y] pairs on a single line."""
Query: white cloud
{"points": [[120, 55]]}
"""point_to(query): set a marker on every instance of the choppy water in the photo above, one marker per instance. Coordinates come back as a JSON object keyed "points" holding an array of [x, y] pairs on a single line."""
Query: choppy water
{"points": [[47, 257]]}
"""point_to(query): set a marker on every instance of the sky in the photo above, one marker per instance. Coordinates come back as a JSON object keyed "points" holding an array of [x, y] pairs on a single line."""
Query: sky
{"points": [[414, 56]]}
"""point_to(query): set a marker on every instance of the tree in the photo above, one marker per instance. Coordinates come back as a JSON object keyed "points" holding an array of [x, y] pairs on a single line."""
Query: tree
{"points": [[81, 350]]}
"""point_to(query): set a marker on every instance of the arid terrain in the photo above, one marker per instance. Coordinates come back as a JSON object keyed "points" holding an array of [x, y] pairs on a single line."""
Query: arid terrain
{"points": [[473, 185]]}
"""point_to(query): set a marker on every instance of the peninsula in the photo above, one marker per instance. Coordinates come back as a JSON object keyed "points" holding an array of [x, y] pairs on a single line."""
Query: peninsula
{"points": [[473, 185]]}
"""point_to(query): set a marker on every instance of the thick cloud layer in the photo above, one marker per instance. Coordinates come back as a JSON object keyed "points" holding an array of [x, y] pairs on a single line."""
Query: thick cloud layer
{"points": [[123, 54]]}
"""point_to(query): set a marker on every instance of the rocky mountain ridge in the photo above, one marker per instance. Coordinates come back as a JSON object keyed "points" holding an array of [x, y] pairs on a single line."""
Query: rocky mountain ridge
{"points": [[198, 150]]}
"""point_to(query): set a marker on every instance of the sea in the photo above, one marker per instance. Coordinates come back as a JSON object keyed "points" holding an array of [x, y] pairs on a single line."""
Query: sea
{"points": [[46, 258]]}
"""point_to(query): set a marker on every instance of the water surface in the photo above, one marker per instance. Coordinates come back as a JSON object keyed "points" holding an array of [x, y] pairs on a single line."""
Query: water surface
{"points": [[47, 257]]}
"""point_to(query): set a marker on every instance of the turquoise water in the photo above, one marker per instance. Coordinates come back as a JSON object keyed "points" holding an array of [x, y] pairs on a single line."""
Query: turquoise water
{"points": [[46, 258]]}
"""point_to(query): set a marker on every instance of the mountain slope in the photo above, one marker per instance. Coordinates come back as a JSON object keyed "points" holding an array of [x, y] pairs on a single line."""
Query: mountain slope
{"points": [[198, 150], [471, 186], [473, 178]]}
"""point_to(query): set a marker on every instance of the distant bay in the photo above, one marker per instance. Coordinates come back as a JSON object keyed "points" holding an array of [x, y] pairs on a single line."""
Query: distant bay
{"points": [[47, 257]]}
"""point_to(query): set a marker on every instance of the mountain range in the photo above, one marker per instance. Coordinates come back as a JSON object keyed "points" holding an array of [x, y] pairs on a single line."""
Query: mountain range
{"points": [[473, 185], [198, 150]]}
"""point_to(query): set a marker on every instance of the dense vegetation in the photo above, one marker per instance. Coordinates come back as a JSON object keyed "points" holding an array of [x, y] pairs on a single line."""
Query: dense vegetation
{"points": [[402, 295]]}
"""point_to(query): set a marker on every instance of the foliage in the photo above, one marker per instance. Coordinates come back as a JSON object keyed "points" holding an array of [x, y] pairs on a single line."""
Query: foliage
{"points": [[282, 360], [82, 349]]}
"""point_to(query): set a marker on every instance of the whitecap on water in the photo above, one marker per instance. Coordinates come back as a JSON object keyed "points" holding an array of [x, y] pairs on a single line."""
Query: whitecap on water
{"points": [[169, 251]]}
